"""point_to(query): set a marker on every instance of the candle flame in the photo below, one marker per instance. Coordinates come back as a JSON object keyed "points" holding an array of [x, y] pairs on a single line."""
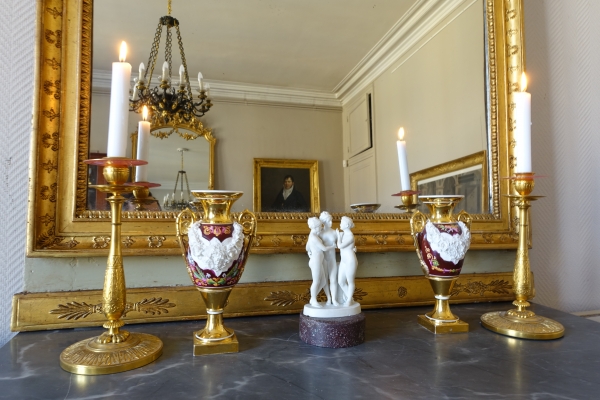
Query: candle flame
{"points": [[523, 82], [123, 52], [401, 134], [145, 113]]}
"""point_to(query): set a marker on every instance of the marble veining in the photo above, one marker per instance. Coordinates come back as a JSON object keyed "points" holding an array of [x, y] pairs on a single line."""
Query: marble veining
{"points": [[398, 360]]}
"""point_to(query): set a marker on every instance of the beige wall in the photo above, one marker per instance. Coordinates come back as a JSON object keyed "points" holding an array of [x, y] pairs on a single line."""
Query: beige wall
{"points": [[563, 60], [437, 93]]}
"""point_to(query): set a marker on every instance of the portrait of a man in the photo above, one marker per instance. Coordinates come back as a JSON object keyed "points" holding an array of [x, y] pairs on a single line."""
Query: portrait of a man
{"points": [[289, 199], [286, 185]]}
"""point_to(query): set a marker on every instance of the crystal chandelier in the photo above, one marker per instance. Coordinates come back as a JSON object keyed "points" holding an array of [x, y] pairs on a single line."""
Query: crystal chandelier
{"points": [[170, 105]]}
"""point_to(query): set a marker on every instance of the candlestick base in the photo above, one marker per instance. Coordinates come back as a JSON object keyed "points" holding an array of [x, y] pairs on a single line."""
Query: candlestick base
{"points": [[90, 357], [532, 326]]}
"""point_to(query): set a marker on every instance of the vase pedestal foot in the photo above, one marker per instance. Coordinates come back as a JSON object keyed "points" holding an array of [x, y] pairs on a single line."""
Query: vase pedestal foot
{"points": [[89, 357], [531, 327], [439, 327], [204, 347]]}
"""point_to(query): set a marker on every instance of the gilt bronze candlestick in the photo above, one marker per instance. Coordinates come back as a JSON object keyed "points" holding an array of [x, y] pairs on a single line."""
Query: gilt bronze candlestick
{"points": [[520, 322], [409, 201], [115, 350]]}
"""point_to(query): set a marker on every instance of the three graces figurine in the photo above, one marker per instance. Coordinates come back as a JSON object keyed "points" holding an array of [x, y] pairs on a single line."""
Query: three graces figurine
{"points": [[337, 281]]}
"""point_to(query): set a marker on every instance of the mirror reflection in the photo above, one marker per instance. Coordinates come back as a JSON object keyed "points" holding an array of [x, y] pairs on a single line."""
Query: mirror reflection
{"points": [[258, 55]]}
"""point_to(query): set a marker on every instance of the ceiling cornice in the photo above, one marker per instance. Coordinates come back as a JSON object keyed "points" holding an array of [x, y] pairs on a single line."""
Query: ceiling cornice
{"points": [[222, 91], [420, 23]]}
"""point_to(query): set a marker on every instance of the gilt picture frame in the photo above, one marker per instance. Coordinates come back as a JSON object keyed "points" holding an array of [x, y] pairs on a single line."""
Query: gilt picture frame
{"points": [[466, 176], [270, 193]]}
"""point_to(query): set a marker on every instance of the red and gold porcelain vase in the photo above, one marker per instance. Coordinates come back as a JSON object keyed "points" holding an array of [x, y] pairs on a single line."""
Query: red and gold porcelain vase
{"points": [[215, 249], [441, 241]]}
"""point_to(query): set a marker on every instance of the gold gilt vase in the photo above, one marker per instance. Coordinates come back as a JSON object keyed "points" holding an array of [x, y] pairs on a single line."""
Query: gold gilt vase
{"points": [[441, 241], [215, 249]]}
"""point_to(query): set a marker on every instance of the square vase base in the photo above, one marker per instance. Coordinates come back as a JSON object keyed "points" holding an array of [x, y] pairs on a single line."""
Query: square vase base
{"points": [[229, 345], [444, 327]]}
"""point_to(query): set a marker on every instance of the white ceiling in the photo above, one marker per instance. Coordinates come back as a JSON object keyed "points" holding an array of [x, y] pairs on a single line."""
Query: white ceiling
{"points": [[303, 44]]}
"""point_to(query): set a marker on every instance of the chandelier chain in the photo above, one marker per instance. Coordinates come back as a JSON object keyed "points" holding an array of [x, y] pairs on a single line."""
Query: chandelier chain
{"points": [[187, 78], [153, 53], [168, 44], [169, 8]]}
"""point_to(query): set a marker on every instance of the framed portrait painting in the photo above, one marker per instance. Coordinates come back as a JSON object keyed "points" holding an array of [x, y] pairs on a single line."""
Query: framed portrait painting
{"points": [[285, 185], [466, 176]]}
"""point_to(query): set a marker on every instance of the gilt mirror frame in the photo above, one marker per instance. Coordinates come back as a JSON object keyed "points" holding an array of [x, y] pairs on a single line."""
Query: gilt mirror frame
{"points": [[60, 226]]}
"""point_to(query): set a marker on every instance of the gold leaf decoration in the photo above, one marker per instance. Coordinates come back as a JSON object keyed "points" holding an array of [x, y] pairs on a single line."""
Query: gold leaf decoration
{"points": [[51, 114], [155, 241], [100, 242], [49, 192], [49, 166], [55, 65], [48, 239], [75, 310], [380, 239], [128, 241], [402, 291], [46, 219], [285, 298], [299, 240], [54, 37], [50, 140], [153, 306], [499, 286], [361, 240], [54, 12], [276, 241], [52, 88]]}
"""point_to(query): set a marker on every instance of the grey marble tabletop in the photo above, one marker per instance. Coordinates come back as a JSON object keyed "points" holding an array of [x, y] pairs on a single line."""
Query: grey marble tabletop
{"points": [[399, 360]]}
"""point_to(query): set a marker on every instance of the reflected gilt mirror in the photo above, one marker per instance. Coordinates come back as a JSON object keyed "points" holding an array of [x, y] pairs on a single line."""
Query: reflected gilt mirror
{"points": [[76, 45]]}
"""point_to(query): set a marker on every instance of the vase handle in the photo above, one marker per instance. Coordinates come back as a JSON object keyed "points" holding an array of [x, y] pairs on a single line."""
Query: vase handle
{"points": [[465, 218], [417, 224], [184, 220]]}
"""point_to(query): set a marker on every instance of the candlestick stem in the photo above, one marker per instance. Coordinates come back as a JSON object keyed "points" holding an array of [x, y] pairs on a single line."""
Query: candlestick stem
{"points": [[521, 322], [115, 350]]}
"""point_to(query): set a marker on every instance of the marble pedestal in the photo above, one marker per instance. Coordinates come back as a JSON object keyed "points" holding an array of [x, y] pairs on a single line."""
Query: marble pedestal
{"points": [[334, 333]]}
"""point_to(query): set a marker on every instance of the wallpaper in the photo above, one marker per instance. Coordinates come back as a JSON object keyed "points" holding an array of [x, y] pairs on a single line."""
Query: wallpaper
{"points": [[17, 19], [563, 59]]}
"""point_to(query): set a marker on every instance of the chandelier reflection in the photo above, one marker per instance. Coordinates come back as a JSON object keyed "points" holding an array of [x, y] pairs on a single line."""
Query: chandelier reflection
{"points": [[174, 203], [174, 104]]}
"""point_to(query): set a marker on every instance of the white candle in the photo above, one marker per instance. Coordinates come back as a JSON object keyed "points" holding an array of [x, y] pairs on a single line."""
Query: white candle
{"points": [[140, 79], [142, 70], [402, 161], [207, 89], [119, 106], [522, 132], [200, 81], [181, 70], [143, 147], [165, 71]]}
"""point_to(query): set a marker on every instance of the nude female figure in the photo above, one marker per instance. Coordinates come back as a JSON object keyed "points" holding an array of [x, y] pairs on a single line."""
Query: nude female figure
{"points": [[348, 263], [329, 237], [315, 249]]}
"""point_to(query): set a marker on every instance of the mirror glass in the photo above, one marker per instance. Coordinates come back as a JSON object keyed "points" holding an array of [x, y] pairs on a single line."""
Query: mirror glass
{"points": [[306, 46]]}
